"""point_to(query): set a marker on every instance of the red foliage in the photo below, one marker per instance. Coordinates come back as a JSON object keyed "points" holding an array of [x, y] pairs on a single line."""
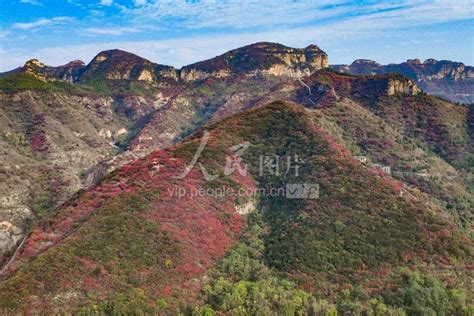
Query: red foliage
{"points": [[89, 282], [38, 141], [407, 257], [205, 227], [36, 135]]}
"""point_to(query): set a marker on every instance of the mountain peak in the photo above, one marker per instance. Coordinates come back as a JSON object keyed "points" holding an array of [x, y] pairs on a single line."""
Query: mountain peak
{"points": [[116, 53], [34, 63], [416, 61], [117, 56], [368, 62], [116, 64], [75, 63], [430, 61], [312, 47]]}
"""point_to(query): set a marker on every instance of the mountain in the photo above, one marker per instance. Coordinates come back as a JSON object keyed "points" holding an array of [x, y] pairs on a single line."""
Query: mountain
{"points": [[267, 58], [131, 237], [69, 72], [119, 65], [450, 80], [88, 179]]}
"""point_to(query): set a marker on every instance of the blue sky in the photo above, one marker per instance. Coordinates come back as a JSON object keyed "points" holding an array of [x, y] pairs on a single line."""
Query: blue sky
{"points": [[181, 32]]}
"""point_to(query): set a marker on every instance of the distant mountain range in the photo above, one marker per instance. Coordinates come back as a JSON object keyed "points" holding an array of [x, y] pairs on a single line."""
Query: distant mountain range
{"points": [[92, 220], [450, 80]]}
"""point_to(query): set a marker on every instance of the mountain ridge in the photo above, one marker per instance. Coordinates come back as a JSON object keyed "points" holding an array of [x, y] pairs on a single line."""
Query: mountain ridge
{"points": [[448, 79], [128, 66]]}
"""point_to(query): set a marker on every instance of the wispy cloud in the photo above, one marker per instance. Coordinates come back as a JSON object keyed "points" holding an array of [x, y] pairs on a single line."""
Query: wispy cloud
{"points": [[233, 13], [140, 2], [106, 2], [4, 34], [41, 22], [253, 13], [33, 2], [111, 31], [412, 14]]}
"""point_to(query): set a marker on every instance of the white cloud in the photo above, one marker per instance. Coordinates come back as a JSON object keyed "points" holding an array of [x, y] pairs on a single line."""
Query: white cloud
{"points": [[111, 31], [106, 2], [41, 22], [33, 2], [4, 34], [139, 3], [414, 13], [96, 13]]}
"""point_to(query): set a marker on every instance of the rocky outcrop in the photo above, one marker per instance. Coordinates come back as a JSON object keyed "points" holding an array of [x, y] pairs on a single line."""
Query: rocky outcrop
{"points": [[69, 72], [400, 86], [260, 58], [14, 218], [191, 74], [360, 66]]}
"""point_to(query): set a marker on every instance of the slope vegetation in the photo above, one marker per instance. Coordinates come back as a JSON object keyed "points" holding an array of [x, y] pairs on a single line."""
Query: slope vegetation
{"points": [[132, 244]]}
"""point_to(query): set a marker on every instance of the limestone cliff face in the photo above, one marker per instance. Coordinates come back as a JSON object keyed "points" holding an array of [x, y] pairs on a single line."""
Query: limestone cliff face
{"points": [[190, 74], [401, 86], [446, 70], [260, 58]]}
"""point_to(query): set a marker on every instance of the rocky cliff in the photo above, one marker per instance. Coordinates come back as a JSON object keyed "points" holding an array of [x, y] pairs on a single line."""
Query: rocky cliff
{"points": [[398, 86]]}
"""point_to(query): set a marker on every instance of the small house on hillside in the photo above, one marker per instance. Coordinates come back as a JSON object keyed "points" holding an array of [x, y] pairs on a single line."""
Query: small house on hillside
{"points": [[385, 169], [362, 159]]}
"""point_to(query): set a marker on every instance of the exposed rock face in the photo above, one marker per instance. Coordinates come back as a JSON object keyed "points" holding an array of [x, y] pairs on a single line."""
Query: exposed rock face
{"points": [[266, 58], [397, 86], [246, 208], [14, 217], [190, 74], [448, 79], [69, 72], [360, 66]]}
